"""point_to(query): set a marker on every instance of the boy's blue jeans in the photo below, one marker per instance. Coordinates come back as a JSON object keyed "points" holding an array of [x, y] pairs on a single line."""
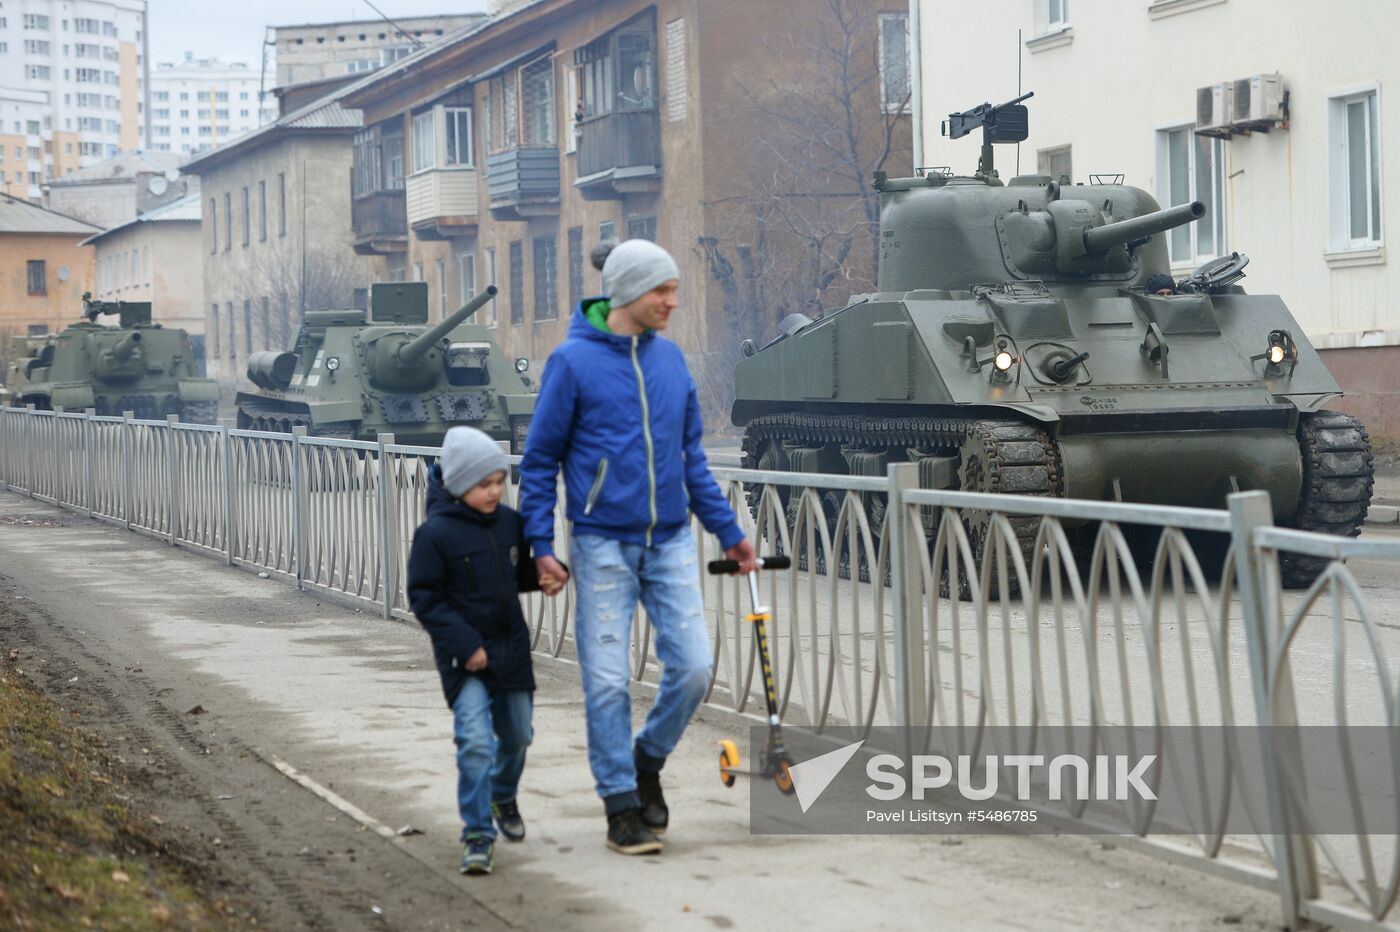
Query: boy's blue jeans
{"points": [[609, 577], [492, 732]]}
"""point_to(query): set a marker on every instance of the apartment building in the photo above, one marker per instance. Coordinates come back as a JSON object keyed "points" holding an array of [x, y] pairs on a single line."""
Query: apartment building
{"points": [[314, 51], [1271, 115], [114, 191], [44, 269], [199, 104], [88, 60]]}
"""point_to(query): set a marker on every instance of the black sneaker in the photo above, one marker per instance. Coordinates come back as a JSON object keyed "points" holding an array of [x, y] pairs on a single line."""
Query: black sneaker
{"points": [[627, 834], [655, 815], [508, 820], [479, 856]]}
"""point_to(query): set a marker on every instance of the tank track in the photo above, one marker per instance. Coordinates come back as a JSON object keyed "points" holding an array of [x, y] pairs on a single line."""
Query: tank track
{"points": [[280, 420], [998, 456], [199, 412], [1338, 477]]}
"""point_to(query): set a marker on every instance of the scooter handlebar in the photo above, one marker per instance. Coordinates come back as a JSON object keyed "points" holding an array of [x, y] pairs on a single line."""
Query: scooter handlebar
{"points": [[727, 567]]}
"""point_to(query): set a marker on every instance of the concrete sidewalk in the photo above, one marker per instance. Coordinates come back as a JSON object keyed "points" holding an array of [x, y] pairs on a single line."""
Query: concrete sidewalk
{"points": [[352, 702]]}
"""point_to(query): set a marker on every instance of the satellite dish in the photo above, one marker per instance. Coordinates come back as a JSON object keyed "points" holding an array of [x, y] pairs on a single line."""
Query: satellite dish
{"points": [[157, 185], [64, 274], [172, 174]]}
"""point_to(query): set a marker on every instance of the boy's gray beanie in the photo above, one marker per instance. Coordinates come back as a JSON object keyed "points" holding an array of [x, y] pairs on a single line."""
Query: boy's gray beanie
{"points": [[635, 267], [468, 456]]}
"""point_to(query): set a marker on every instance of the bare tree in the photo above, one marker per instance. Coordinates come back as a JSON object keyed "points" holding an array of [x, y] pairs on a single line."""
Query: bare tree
{"points": [[282, 288]]}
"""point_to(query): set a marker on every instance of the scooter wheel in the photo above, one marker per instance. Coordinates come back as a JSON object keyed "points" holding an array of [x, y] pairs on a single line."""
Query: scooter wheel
{"points": [[783, 778], [728, 762]]}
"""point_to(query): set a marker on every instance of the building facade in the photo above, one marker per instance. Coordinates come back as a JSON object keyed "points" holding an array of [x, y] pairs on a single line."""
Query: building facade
{"points": [[505, 156], [44, 269], [1274, 118], [199, 104], [275, 232], [314, 51], [115, 191], [89, 60]]}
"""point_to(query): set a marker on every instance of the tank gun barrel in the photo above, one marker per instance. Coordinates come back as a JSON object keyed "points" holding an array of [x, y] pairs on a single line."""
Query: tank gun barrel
{"points": [[412, 351], [124, 347], [1102, 239]]}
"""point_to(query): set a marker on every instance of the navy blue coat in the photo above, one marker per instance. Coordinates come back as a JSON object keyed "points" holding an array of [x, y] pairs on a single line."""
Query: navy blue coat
{"points": [[465, 575]]}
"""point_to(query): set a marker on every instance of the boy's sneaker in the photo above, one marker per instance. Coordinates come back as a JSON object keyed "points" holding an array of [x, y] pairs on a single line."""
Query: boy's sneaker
{"points": [[508, 820], [479, 856], [655, 815], [627, 834]]}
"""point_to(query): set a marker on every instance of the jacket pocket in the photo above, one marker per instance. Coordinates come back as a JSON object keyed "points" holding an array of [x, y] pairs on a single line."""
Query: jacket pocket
{"points": [[597, 489]]}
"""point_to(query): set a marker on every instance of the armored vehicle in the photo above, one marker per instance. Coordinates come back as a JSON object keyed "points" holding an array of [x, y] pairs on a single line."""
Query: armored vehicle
{"points": [[136, 366], [1012, 347], [351, 377]]}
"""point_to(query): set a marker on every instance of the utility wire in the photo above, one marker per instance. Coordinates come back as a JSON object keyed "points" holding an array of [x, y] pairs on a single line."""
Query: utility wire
{"points": [[414, 39]]}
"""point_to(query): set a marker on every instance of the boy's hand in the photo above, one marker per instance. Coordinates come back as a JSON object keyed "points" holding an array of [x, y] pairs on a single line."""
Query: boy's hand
{"points": [[477, 661], [743, 552], [552, 575]]}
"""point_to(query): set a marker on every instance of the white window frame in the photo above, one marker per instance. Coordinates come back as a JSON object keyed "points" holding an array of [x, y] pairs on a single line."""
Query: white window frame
{"points": [[423, 146], [493, 317], [886, 104], [1056, 15], [1216, 217], [466, 276], [1338, 165], [462, 116], [442, 288]]}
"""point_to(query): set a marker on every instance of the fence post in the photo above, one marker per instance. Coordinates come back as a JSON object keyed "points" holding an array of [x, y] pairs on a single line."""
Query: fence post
{"points": [[172, 484], [226, 488], [1273, 699], [386, 535], [298, 541], [30, 448], [126, 466], [89, 485], [911, 690]]}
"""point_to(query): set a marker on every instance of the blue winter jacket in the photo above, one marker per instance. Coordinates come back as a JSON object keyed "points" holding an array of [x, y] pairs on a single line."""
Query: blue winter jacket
{"points": [[621, 416]]}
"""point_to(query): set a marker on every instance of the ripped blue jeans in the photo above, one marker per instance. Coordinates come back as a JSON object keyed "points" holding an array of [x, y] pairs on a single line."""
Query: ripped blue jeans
{"points": [[609, 578]]}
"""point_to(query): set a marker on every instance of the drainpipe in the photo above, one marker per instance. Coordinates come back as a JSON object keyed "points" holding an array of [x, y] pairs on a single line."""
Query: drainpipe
{"points": [[916, 79]]}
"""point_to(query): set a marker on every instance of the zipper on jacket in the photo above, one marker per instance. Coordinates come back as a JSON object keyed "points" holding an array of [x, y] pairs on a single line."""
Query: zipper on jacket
{"points": [[646, 434], [597, 486]]}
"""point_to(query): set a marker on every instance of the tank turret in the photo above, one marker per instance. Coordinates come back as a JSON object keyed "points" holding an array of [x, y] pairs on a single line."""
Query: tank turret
{"points": [[357, 376], [1020, 352]]}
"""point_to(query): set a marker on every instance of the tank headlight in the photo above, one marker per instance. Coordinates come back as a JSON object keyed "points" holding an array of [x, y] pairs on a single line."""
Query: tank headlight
{"points": [[1277, 354], [332, 363], [1281, 349], [1003, 360], [522, 365]]}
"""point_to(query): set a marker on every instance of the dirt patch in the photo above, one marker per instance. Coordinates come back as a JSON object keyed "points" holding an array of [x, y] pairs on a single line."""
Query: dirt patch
{"points": [[32, 521]]}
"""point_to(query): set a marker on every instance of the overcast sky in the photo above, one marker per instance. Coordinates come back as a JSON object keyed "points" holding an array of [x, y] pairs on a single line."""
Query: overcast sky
{"points": [[234, 31]]}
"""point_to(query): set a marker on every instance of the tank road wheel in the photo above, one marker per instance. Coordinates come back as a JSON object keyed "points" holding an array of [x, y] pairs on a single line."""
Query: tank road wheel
{"points": [[764, 455], [1338, 475], [1005, 458]]}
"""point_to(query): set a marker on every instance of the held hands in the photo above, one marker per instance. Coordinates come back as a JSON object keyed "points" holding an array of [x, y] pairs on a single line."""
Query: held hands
{"points": [[552, 575], [743, 552], [477, 661]]}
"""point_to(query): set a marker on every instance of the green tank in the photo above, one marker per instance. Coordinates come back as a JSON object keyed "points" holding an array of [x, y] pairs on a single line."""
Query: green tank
{"points": [[136, 366], [355, 378], [1011, 347]]}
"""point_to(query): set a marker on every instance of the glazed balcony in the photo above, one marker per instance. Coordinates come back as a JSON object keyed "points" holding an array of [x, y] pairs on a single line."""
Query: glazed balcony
{"points": [[442, 202]]}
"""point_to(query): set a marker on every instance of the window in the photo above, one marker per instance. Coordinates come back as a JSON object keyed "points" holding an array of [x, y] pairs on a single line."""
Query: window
{"points": [[442, 288], [517, 282], [247, 224], [42, 72], [266, 322], [675, 71], [458, 121], [281, 204], [546, 269], [1055, 162], [575, 266], [895, 88], [160, 96], [35, 278], [618, 70], [262, 211], [214, 232], [418, 272], [228, 222], [1192, 168], [38, 330], [247, 326], [642, 228], [36, 47], [607, 230], [492, 317], [232, 344], [35, 21], [360, 65], [214, 320], [503, 115], [537, 102], [1354, 170], [466, 275], [424, 142]]}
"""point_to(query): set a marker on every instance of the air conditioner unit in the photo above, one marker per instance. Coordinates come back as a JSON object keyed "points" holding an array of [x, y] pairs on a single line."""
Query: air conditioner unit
{"points": [[1213, 110], [1258, 100]]}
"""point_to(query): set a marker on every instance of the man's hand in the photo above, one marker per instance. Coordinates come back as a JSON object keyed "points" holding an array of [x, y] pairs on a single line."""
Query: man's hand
{"points": [[552, 575], [477, 661], [743, 552]]}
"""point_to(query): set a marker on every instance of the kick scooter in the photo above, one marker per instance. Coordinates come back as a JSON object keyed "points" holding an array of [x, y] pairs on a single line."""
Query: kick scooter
{"points": [[774, 763]]}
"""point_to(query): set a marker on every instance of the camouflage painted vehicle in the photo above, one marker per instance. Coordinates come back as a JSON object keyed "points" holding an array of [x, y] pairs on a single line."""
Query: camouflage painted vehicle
{"points": [[351, 377], [136, 366], [1011, 347]]}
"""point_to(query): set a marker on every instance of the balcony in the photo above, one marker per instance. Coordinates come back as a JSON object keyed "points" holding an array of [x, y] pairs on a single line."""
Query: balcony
{"points": [[380, 223], [442, 202], [619, 153], [523, 182]]}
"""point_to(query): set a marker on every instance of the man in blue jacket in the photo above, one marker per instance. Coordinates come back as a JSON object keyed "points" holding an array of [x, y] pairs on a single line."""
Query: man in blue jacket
{"points": [[617, 410]]}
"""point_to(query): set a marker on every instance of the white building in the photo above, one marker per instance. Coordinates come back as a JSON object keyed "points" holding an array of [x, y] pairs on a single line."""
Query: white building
{"points": [[86, 62], [202, 103], [315, 51], [1292, 173]]}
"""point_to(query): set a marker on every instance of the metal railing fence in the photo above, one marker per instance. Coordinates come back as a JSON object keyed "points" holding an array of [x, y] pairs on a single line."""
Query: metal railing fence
{"points": [[905, 606]]}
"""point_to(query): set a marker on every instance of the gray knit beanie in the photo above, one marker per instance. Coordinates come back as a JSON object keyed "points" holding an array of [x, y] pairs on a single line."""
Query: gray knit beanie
{"points": [[468, 456], [635, 267]]}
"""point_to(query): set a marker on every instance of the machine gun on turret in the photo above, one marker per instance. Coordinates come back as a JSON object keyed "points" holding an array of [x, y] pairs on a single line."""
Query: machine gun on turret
{"points": [[1002, 123], [129, 313]]}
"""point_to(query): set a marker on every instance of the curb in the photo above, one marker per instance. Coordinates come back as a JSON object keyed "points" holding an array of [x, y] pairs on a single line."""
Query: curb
{"points": [[1383, 515]]}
